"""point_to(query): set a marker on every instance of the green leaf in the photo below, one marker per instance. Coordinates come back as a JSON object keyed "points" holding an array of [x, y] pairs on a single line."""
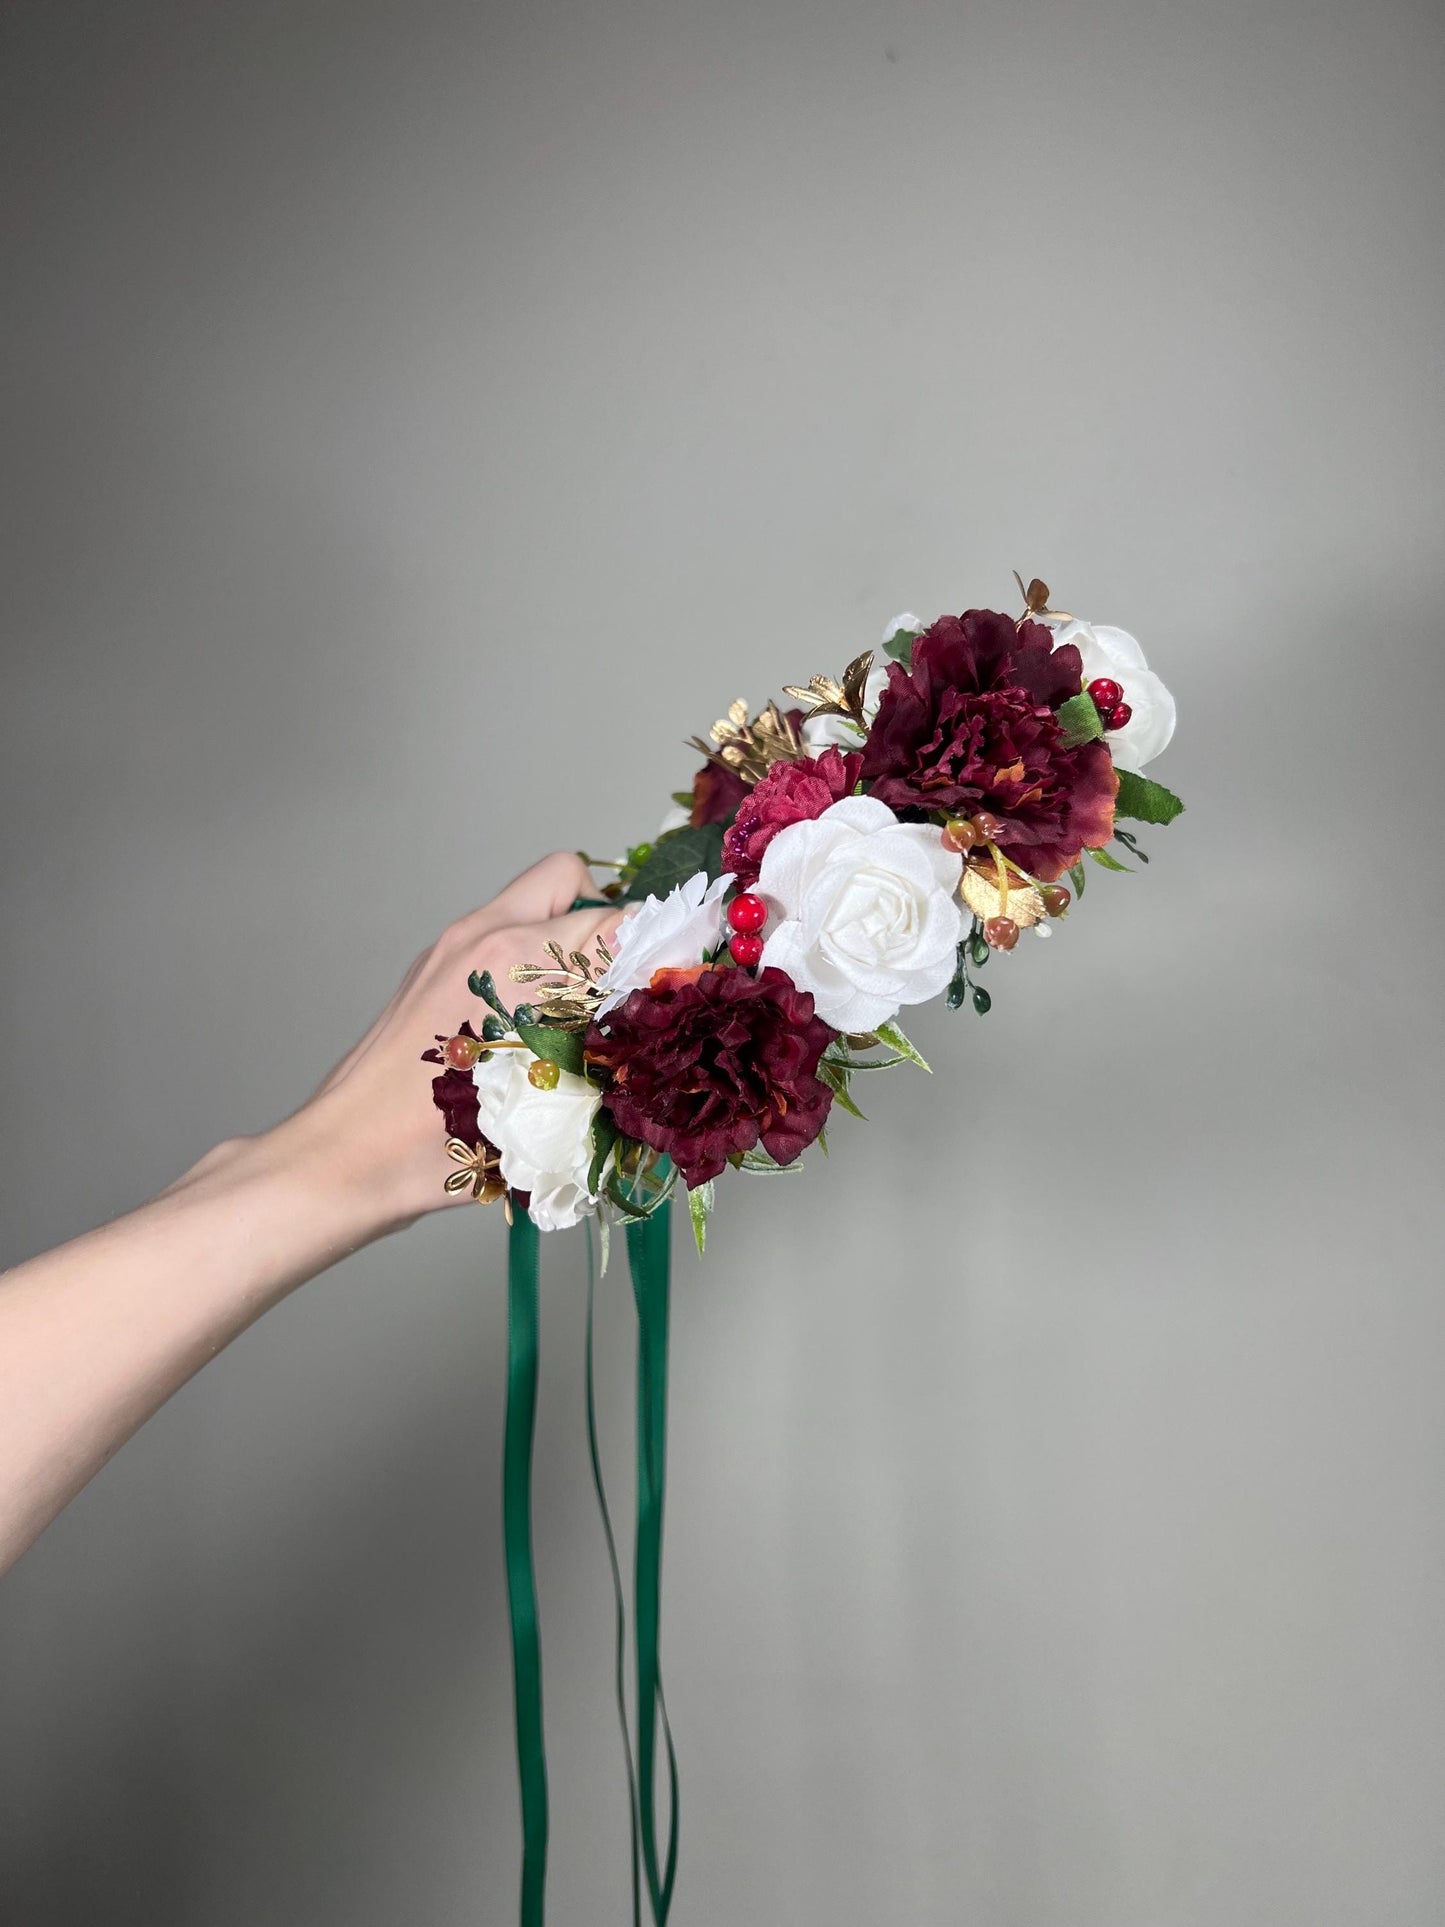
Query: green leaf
{"points": [[891, 1035], [699, 1203], [1077, 875], [676, 857], [900, 646], [1145, 801], [558, 1046], [604, 1136], [759, 1164], [836, 1078], [481, 984], [1107, 862], [1079, 719], [616, 1197]]}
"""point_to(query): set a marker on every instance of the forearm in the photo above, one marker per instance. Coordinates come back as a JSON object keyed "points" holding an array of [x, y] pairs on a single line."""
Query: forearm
{"points": [[97, 1335]]}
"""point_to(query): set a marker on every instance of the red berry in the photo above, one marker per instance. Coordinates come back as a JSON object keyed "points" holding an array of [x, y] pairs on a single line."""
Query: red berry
{"points": [[460, 1053], [987, 826], [959, 835], [746, 949], [543, 1074], [1106, 693], [1118, 716], [747, 913], [1000, 933], [1056, 899]]}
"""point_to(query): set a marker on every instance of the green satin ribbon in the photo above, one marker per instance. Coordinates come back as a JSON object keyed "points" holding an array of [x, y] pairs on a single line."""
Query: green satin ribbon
{"points": [[648, 1247], [619, 1654], [522, 1327]]}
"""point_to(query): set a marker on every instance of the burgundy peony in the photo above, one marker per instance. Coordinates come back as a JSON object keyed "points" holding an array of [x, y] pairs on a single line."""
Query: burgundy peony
{"points": [[455, 1095], [707, 1064], [971, 726], [789, 793]]}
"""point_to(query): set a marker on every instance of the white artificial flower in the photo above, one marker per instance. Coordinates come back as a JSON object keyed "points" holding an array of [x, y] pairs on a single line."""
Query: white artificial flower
{"points": [[664, 933], [841, 732], [905, 621], [867, 917], [677, 818], [545, 1137], [1114, 653]]}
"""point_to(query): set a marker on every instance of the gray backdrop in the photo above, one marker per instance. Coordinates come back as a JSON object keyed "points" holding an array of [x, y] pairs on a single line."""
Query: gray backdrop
{"points": [[419, 418]]}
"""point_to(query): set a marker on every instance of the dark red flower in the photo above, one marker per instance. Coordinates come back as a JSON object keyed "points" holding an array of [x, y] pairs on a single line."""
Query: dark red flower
{"points": [[455, 1095], [971, 726], [789, 793], [716, 793], [706, 1068], [717, 790]]}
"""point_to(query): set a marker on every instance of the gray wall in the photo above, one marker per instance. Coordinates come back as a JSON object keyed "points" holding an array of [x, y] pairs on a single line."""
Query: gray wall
{"points": [[418, 418]]}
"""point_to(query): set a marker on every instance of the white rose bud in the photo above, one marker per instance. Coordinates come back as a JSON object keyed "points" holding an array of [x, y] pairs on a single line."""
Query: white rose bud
{"points": [[545, 1137]]}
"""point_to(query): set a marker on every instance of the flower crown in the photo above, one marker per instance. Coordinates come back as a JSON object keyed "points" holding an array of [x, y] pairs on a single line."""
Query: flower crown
{"points": [[866, 849]]}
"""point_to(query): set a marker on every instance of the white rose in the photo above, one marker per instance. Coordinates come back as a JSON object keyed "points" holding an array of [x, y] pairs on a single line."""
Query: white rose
{"points": [[867, 913], [545, 1137], [1114, 653], [665, 933]]}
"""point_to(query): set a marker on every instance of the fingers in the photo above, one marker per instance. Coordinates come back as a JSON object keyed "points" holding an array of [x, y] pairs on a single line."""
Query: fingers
{"points": [[543, 892], [580, 929]]}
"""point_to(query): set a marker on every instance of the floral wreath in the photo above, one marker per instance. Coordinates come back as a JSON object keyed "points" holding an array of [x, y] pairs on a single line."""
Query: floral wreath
{"points": [[867, 848]]}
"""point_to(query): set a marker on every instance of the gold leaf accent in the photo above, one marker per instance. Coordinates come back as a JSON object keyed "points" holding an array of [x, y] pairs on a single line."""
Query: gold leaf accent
{"points": [[747, 748], [979, 890], [480, 1173], [1036, 601], [825, 697]]}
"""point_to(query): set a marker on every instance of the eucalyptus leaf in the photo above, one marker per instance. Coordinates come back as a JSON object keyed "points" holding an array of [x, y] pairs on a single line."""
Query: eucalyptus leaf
{"points": [[676, 857], [891, 1035], [1079, 720], [1145, 801]]}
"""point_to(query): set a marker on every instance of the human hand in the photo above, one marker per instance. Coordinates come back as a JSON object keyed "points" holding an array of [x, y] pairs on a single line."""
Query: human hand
{"points": [[371, 1128]]}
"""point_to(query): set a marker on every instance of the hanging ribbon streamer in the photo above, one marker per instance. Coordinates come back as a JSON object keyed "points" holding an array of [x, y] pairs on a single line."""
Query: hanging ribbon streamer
{"points": [[522, 1326], [619, 1601], [648, 1246]]}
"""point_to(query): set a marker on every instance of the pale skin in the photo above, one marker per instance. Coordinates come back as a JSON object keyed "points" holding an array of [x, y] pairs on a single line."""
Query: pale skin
{"points": [[96, 1335]]}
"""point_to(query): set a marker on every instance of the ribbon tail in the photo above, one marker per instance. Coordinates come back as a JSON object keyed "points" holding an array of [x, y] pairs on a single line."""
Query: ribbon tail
{"points": [[648, 1246], [620, 1651], [522, 1335]]}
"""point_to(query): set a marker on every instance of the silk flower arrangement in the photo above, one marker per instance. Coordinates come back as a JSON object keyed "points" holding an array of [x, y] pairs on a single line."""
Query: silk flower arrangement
{"points": [[866, 849]]}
